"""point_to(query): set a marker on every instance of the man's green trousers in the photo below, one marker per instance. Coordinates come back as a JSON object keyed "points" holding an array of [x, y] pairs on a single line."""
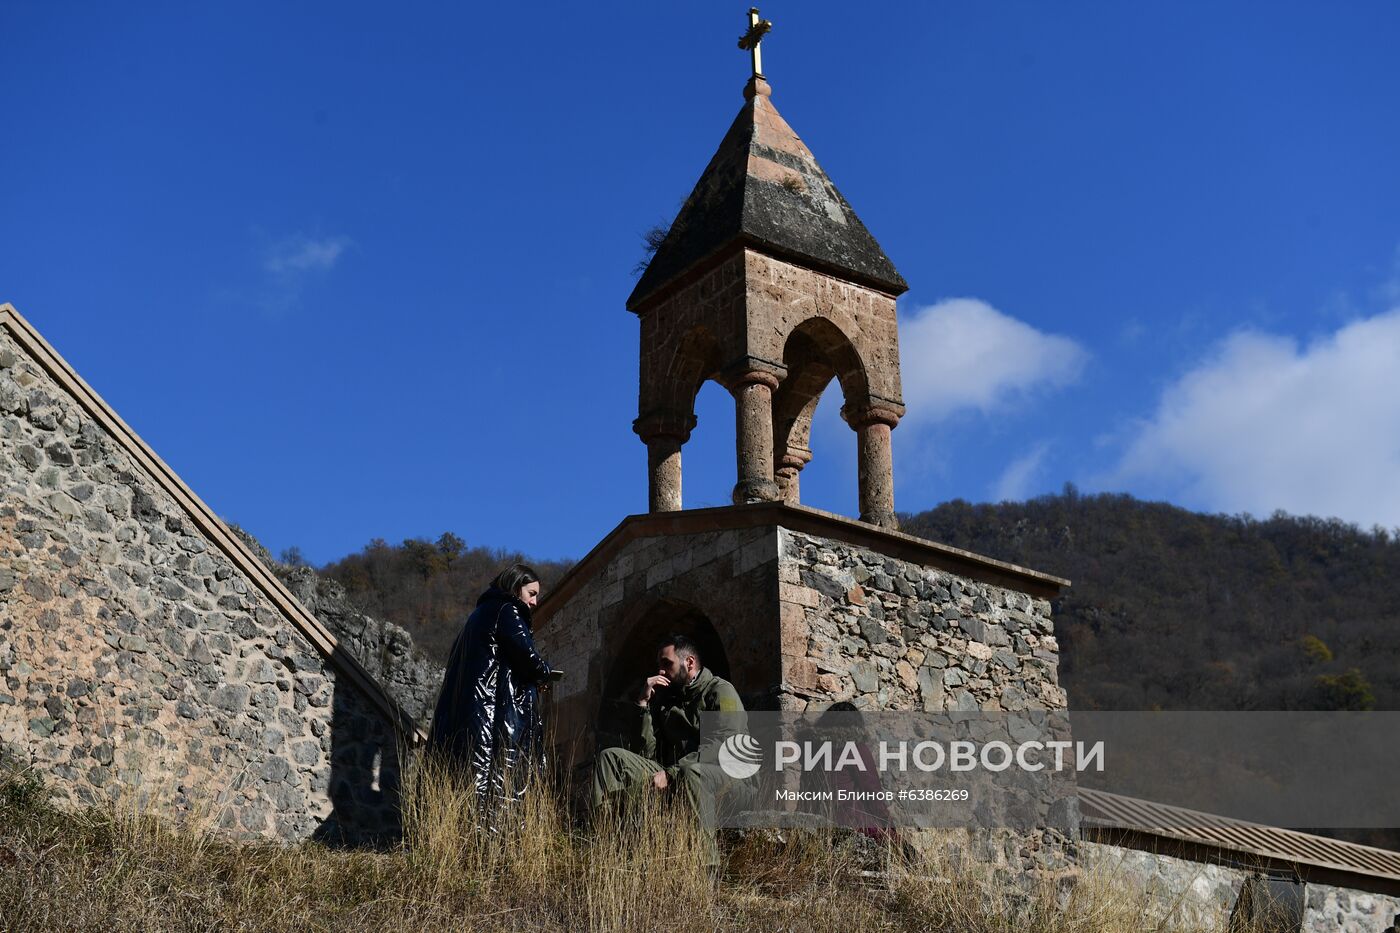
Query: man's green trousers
{"points": [[619, 773]]}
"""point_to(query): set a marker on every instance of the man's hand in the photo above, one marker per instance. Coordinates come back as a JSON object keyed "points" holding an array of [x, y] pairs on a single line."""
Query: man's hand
{"points": [[660, 781], [656, 680]]}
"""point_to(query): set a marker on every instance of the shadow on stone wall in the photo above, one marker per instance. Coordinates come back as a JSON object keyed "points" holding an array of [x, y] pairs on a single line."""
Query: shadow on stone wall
{"points": [[367, 753], [367, 757]]}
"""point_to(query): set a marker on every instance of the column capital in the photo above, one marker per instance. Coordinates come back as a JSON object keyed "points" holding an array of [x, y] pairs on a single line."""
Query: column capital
{"points": [[657, 424], [751, 370], [795, 458], [877, 411], [789, 468]]}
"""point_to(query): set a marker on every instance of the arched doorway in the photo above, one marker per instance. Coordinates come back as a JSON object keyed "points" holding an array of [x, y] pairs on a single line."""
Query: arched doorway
{"points": [[633, 659]]}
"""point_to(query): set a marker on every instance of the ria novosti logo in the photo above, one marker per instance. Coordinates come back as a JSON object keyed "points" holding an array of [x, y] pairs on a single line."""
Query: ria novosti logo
{"points": [[740, 756]]}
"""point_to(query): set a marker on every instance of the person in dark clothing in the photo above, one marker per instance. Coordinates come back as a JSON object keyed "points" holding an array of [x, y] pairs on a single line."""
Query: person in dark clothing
{"points": [[487, 717]]}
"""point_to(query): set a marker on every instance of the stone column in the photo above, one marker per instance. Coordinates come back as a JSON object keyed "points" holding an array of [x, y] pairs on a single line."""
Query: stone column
{"points": [[664, 433], [790, 466], [872, 425], [753, 399], [664, 474]]}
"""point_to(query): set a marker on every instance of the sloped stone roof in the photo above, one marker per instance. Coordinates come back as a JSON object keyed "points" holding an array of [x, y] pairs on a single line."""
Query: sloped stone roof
{"points": [[764, 188], [209, 525]]}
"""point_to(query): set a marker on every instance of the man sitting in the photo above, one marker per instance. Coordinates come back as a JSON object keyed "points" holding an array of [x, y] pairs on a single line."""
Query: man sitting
{"points": [[664, 734]]}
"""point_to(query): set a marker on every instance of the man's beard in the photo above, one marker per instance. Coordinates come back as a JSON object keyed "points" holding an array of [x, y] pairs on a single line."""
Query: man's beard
{"points": [[681, 679]]}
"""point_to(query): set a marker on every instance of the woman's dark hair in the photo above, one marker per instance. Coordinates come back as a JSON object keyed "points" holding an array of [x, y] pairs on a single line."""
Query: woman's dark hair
{"points": [[514, 578]]}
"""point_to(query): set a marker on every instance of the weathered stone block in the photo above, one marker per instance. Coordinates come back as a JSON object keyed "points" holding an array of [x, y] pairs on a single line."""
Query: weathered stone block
{"points": [[980, 651], [865, 676], [802, 673], [801, 595], [231, 698], [986, 632], [873, 632]]}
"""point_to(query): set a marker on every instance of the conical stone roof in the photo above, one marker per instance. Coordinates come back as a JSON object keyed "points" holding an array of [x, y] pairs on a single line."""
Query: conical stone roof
{"points": [[764, 188]]}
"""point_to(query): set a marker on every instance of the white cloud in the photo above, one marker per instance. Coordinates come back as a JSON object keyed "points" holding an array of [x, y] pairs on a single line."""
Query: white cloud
{"points": [[962, 354], [1015, 481], [304, 254], [290, 265], [1265, 424]]}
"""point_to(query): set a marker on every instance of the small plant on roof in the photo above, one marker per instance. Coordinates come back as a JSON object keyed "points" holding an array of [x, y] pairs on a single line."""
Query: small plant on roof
{"points": [[651, 242]]}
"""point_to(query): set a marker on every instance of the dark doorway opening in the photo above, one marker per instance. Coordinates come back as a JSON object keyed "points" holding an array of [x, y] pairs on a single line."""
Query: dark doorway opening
{"points": [[634, 659]]}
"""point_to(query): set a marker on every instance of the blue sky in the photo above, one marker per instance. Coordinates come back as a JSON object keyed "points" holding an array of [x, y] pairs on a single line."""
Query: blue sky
{"points": [[359, 272]]}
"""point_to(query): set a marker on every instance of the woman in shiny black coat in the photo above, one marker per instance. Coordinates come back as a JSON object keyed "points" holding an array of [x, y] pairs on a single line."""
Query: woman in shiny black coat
{"points": [[488, 716]]}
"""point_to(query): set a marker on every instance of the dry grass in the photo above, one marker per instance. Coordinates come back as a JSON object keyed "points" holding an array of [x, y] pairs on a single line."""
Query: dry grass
{"points": [[118, 869]]}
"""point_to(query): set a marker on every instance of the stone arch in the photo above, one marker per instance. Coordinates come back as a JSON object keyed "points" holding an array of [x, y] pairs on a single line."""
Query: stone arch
{"points": [[696, 360], [668, 411], [648, 623], [816, 352], [632, 656]]}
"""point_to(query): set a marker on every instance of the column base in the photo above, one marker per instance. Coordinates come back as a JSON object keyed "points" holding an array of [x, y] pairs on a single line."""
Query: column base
{"points": [[755, 491], [884, 520]]}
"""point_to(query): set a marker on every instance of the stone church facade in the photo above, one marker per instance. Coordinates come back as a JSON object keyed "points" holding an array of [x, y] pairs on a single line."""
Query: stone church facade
{"points": [[768, 284], [799, 608], [147, 656]]}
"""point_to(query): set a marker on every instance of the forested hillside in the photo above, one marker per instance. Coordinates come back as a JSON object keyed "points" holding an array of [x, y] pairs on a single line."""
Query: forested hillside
{"points": [[427, 588], [1180, 610], [1169, 608]]}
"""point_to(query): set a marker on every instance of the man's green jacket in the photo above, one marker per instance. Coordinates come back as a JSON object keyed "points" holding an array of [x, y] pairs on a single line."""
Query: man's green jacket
{"points": [[668, 730]]}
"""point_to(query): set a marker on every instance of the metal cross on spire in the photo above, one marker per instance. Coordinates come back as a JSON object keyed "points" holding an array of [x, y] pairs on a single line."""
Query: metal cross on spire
{"points": [[758, 28]]}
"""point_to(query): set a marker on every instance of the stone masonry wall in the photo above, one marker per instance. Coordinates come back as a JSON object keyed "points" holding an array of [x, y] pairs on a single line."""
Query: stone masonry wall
{"points": [[137, 662], [383, 649], [889, 634], [1194, 895], [1345, 910], [807, 621], [1201, 895]]}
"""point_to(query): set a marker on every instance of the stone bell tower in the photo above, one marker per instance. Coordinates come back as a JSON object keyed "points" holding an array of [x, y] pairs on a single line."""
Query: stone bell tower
{"points": [[768, 283]]}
